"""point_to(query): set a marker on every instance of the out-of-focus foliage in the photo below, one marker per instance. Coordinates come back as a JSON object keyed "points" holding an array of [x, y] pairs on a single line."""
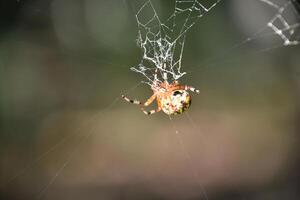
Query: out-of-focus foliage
{"points": [[65, 133]]}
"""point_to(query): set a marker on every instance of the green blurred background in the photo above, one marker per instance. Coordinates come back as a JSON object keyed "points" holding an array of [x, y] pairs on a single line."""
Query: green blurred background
{"points": [[66, 134]]}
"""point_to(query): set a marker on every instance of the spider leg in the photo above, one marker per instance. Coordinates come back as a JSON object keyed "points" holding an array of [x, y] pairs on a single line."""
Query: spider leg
{"points": [[131, 101], [151, 111], [150, 100], [147, 103], [190, 88]]}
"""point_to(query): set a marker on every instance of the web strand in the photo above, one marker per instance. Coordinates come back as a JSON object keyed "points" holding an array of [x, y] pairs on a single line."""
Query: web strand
{"points": [[80, 136], [162, 43], [189, 160], [284, 23], [280, 25]]}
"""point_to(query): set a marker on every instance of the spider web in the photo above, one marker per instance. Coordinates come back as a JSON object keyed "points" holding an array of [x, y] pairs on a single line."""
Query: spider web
{"points": [[285, 23], [162, 43], [280, 27]]}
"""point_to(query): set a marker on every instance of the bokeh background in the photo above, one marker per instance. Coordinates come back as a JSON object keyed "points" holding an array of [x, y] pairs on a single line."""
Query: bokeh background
{"points": [[66, 134]]}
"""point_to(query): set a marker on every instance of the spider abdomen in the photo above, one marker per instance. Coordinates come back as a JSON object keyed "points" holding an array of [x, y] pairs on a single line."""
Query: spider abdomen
{"points": [[176, 102]]}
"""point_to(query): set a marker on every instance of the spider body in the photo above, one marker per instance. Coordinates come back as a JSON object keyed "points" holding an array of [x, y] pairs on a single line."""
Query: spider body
{"points": [[172, 98], [174, 103]]}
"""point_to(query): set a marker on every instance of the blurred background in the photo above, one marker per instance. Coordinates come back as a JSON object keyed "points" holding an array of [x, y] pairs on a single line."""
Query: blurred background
{"points": [[66, 134]]}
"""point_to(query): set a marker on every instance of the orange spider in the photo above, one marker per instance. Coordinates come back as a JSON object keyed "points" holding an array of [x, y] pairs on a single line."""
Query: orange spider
{"points": [[172, 98]]}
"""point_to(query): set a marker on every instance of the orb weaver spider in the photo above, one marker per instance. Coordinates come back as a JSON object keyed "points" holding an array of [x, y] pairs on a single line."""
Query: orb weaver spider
{"points": [[172, 98]]}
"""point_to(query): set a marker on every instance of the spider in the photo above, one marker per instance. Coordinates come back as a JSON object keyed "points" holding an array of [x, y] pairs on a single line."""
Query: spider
{"points": [[172, 98]]}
